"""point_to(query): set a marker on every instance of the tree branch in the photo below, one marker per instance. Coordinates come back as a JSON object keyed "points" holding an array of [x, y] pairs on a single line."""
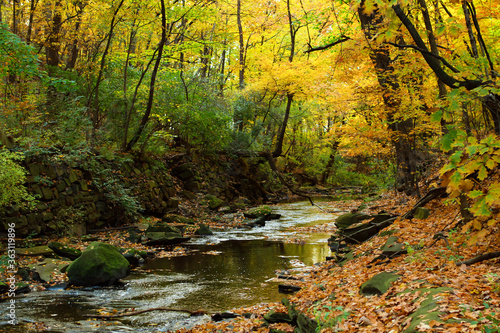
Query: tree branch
{"points": [[482, 257], [446, 63], [324, 47], [433, 63]]}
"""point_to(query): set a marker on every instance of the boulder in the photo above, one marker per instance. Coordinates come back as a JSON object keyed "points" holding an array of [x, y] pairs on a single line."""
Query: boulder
{"points": [[257, 212], [346, 220], [163, 227], [203, 230], [379, 284], [214, 203], [421, 213], [99, 264], [64, 251]]}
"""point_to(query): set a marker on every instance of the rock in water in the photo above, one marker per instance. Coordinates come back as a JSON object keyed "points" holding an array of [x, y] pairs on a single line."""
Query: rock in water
{"points": [[99, 264]]}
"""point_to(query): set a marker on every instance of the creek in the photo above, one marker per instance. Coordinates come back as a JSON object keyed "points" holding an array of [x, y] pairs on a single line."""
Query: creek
{"points": [[226, 270]]}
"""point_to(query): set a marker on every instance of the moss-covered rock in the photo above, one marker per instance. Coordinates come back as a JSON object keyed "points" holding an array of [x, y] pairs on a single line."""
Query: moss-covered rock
{"points": [[64, 251], [99, 264], [203, 230], [346, 220], [214, 203], [259, 211], [379, 284], [42, 250]]}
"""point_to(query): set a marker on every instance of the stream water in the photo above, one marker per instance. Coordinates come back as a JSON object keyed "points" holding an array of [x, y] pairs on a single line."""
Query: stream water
{"points": [[223, 271]]}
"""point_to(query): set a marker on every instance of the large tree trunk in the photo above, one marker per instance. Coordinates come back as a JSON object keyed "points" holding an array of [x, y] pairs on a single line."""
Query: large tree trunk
{"points": [[401, 129]]}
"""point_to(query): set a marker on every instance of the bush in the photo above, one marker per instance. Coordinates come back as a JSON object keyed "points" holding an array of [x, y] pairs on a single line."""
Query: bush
{"points": [[12, 178]]}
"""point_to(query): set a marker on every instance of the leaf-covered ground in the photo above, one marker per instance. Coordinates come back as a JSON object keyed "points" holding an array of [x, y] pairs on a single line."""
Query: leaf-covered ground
{"points": [[442, 294]]}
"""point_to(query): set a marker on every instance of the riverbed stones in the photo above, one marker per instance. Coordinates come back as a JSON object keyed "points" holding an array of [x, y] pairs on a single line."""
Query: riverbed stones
{"points": [[99, 264]]}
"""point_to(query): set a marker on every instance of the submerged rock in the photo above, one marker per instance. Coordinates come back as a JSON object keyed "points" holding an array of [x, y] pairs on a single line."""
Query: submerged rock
{"points": [[99, 264]]}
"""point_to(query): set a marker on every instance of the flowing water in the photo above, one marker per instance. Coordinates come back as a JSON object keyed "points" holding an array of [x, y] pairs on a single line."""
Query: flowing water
{"points": [[226, 270]]}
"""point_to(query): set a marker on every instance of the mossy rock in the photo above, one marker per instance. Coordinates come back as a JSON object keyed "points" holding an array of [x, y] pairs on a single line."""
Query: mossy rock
{"points": [[203, 230], [277, 317], [306, 324], [421, 213], [64, 251], [427, 310], [214, 203], [163, 227], [99, 264], [46, 268], [174, 218], [392, 248], [346, 220], [257, 212], [379, 284]]}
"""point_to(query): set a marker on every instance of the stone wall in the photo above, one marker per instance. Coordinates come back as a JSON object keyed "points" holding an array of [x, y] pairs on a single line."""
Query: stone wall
{"points": [[94, 193]]}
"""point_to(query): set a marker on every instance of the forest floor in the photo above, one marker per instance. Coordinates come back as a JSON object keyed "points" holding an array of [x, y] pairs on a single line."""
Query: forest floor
{"points": [[459, 297]]}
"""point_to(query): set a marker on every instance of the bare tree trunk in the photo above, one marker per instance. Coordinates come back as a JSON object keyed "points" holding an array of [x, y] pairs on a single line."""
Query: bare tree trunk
{"points": [[241, 60]]}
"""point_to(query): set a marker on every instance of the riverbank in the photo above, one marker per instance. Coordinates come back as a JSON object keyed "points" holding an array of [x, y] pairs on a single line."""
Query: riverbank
{"points": [[434, 290]]}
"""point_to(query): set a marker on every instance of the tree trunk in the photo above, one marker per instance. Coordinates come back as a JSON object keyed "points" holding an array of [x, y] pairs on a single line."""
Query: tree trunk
{"points": [[96, 111], [401, 140], [53, 45], [152, 82]]}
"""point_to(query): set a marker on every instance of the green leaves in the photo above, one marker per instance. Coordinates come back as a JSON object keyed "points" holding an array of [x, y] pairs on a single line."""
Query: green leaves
{"points": [[12, 178]]}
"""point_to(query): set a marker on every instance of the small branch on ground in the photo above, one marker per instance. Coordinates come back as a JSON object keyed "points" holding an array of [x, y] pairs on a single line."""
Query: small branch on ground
{"points": [[482, 257]]}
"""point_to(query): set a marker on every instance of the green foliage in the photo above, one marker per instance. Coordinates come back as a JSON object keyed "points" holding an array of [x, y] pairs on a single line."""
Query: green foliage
{"points": [[329, 316], [111, 184], [16, 57], [466, 173], [380, 175], [12, 178]]}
